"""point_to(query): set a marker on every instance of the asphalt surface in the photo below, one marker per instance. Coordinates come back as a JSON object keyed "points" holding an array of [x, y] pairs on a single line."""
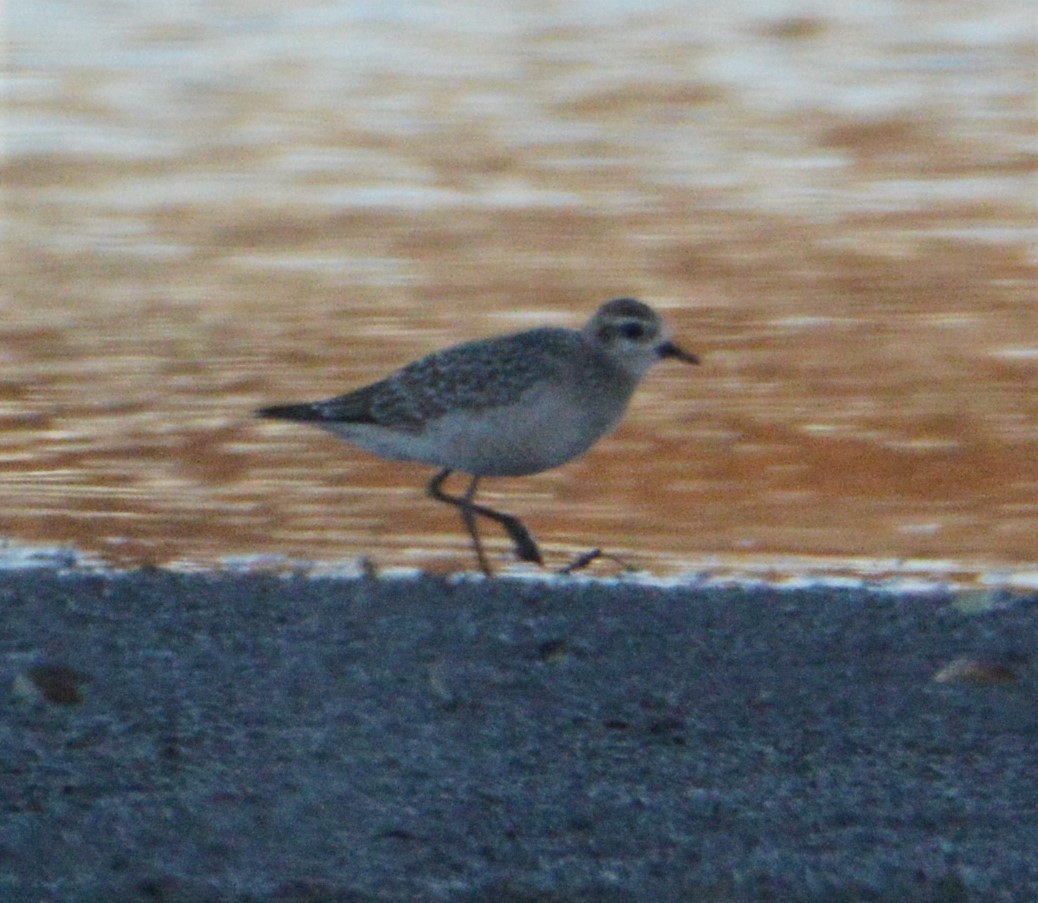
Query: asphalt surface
{"points": [[259, 738]]}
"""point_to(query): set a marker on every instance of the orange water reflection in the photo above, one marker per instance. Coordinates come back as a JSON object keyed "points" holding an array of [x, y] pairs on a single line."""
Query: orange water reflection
{"points": [[860, 287]]}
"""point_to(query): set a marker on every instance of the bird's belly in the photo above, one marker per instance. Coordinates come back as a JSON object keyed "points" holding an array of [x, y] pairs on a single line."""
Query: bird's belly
{"points": [[516, 440]]}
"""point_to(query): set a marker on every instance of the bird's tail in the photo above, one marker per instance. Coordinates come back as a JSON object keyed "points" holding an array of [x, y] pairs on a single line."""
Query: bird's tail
{"points": [[353, 407], [299, 412]]}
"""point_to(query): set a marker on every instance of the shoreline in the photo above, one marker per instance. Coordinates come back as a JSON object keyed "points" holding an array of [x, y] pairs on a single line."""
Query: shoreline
{"points": [[709, 571]]}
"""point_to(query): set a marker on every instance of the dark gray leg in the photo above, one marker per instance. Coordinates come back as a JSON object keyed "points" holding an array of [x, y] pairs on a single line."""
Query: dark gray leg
{"points": [[525, 548], [469, 516]]}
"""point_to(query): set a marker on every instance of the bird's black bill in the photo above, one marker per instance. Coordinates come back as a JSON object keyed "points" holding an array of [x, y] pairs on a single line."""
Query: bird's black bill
{"points": [[669, 349]]}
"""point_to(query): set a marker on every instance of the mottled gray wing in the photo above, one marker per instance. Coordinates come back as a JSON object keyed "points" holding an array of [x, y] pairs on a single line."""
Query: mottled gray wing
{"points": [[472, 376]]}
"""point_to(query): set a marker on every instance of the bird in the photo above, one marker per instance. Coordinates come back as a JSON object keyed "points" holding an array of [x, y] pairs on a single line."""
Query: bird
{"points": [[509, 405]]}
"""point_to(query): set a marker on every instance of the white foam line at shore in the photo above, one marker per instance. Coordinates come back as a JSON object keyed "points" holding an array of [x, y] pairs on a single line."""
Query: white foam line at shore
{"points": [[907, 576]]}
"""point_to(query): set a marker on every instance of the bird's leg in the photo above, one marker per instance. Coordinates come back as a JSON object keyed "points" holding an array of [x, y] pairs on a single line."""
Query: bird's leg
{"points": [[469, 516], [525, 548]]}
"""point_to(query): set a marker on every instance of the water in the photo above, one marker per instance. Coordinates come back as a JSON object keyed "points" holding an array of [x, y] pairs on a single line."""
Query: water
{"points": [[209, 207]]}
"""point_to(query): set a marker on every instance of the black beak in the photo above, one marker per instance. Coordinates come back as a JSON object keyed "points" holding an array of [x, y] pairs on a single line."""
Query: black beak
{"points": [[669, 349]]}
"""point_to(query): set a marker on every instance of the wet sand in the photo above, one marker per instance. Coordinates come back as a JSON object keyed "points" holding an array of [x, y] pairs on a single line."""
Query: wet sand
{"points": [[280, 738]]}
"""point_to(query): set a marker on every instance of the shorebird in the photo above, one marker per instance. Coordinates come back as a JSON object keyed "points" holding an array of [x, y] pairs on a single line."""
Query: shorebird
{"points": [[511, 405]]}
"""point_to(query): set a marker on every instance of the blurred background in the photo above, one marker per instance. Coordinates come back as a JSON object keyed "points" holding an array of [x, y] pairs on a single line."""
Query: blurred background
{"points": [[210, 206]]}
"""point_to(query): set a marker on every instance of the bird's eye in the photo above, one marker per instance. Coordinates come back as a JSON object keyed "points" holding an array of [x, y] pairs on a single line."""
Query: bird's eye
{"points": [[632, 330]]}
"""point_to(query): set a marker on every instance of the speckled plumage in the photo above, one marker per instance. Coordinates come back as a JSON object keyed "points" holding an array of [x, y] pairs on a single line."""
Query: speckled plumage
{"points": [[511, 405], [472, 377]]}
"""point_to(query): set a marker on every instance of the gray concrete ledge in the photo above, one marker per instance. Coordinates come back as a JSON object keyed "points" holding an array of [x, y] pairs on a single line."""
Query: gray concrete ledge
{"points": [[258, 738]]}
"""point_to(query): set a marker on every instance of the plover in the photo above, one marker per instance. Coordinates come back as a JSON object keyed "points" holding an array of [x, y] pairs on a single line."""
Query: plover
{"points": [[505, 406]]}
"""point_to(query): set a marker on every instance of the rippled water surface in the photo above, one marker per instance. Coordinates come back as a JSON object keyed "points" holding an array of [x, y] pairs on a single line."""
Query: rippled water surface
{"points": [[213, 206]]}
